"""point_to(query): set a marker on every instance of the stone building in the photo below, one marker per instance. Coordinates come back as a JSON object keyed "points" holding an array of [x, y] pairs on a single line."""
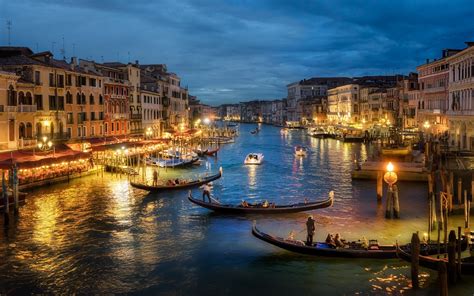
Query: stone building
{"points": [[460, 109]]}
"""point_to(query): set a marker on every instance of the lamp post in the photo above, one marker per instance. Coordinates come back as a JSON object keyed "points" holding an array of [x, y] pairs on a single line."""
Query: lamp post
{"points": [[390, 177], [44, 144]]}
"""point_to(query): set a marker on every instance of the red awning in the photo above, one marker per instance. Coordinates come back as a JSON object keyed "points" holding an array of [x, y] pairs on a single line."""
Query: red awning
{"points": [[27, 159]]}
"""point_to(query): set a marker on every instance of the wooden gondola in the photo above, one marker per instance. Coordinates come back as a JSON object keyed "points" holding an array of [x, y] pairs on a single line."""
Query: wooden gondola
{"points": [[259, 209], [11, 199], [355, 250], [212, 152], [200, 152], [185, 185], [467, 264]]}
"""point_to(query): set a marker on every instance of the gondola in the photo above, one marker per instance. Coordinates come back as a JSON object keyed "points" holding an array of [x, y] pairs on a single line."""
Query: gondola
{"points": [[355, 250], [212, 152], [200, 152], [172, 163], [467, 264], [11, 199], [259, 209], [190, 184]]}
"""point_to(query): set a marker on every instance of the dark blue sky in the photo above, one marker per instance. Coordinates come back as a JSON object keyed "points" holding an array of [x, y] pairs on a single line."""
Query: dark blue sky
{"points": [[229, 51]]}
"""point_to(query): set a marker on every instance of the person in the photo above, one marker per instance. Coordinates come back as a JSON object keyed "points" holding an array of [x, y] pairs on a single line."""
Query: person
{"points": [[310, 229], [155, 178], [244, 204], [330, 240], [265, 204], [176, 182], [338, 241], [206, 191]]}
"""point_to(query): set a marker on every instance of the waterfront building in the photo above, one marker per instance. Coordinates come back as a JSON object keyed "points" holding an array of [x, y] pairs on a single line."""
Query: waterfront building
{"points": [[251, 111], [152, 111], [116, 97], [433, 79], [312, 110], [316, 87], [278, 108], [53, 98], [230, 112], [460, 109], [9, 138], [199, 111], [174, 97], [343, 104]]}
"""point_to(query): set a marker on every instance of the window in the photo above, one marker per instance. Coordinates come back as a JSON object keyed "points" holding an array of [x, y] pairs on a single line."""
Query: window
{"points": [[69, 131], [117, 126], [68, 98], [79, 129], [91, 99], [79, 118], [60, 103], [52, 103], [101, 100], [101, 115], [92, 82], [92, 131], [111, 127], [92, 115], [100, 83], [39, 102], [60, 80], [37, 78], [83, 99], [78, 99], [69, 80], [100, 129], [70, 118], [84, 131], [51, 79], [106, 126]]}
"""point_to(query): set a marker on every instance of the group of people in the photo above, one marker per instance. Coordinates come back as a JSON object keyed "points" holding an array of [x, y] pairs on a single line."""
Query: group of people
{"points": [[336, 241], [265, 204]]}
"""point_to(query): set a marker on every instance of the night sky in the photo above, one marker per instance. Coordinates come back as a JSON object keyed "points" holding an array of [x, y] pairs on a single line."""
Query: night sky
{"points": [[231, 51]]}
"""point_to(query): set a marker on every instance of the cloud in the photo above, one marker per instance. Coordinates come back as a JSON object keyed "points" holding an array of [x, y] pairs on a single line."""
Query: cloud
{"points": [[229, 51]]}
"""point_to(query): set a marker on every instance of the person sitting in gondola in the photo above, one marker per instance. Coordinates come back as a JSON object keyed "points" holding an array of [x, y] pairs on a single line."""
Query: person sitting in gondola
{"points": [[338, 241], [330, 240], [265, 204], [170, 183], [244, 204], [176, 182]]}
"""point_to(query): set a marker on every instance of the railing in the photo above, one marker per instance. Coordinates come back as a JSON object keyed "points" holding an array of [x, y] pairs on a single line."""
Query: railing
{"points": [[56, 136], [12, 108], [119, 116], [24, 143], [135, 116], [460, 112], [27, 108]]}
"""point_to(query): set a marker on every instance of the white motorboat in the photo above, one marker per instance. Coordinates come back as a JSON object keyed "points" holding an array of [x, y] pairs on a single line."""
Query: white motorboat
{"points": [[301, 150], [254, 158]]}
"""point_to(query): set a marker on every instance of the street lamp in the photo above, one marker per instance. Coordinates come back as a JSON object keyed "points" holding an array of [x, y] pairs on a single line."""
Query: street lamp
{"points": [[148, 133], [44, 144], [207, 120], [426, 125], [391, 178]]}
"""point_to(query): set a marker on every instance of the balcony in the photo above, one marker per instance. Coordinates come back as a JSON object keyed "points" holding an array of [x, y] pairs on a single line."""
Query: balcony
{"points": [[136, 116], [119, 116], [460, 113], [64, 136], [27, 108]]}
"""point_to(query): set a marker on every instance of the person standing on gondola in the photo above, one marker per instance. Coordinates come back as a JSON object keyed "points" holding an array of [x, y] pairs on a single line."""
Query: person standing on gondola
{"points": [[206, 191], [310, 228], [155, 178]]}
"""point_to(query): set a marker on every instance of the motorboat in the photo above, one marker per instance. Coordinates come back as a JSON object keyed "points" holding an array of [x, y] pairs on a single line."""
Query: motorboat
{"points": [[301, 150], [319, 132], [254, 158], [284, 131]]}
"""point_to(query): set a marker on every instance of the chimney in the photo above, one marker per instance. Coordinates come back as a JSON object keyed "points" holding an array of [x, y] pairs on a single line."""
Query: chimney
{"points": [[73, 62]]}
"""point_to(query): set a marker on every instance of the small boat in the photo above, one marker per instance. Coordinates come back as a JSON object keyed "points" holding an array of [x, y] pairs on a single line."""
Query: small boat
{"points": [[255, 131], [284, 131], [171, 163], [396, 151], [260, 209], [319, 132], [11, 199], [253, 158], [200, 152], [301, 150], [353, 249], [212, 152], [183, 185], [467, 264]]}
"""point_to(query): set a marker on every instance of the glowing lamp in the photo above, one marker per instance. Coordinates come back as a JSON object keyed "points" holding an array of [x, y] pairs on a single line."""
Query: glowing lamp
{"points": [[390, 176]]}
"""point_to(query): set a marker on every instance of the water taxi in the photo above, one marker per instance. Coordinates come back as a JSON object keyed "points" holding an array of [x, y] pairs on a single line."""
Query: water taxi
{"points": [[254, 158], [301, 150]]}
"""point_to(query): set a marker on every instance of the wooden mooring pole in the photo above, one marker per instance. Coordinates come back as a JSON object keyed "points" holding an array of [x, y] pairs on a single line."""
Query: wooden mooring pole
{"points": [[459, 195], [443, 278], [379, 186], [452, 257], [6, 205], [396, 203], [415, 253]]}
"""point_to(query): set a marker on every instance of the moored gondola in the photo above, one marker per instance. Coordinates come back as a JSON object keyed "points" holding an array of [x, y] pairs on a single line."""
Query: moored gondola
{"points": [[353, 250], [467, 264], [261, 209], [11, 199], [183, 185], [212, 152]]}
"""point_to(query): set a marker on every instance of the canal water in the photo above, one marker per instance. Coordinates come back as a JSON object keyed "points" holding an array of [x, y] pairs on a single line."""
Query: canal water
{"points": [[99, 235]]}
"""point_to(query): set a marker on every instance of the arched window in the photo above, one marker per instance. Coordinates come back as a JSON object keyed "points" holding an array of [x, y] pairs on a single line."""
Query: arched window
{"points": [[39, 130], [29, 130], [28, 99], [22, 131], [52, 130], [78, 99], [11, 96], [91, 99], [21, 98], [83, 99], [68, 98], [101, 100]]}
